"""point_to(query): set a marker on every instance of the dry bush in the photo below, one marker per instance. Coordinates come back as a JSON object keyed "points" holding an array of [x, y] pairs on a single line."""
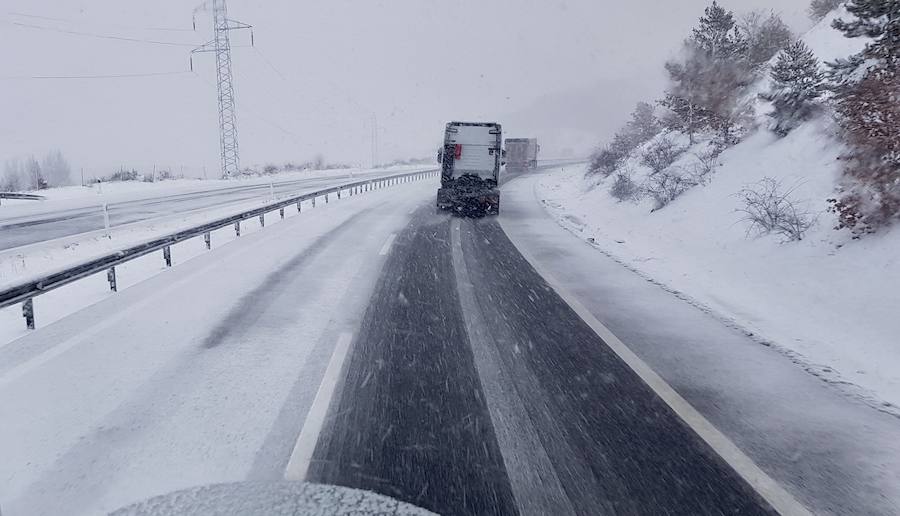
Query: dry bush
{"points": [[661, 155], [769, 208], [624, 188]]}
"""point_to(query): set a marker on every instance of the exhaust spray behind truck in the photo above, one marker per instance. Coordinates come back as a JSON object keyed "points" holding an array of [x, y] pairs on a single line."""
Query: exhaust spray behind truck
{"points": [[470, 168]]}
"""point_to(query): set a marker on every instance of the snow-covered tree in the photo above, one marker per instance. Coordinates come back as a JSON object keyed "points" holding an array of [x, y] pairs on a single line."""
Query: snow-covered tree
{"points": [[819, 9], [13, 178], [642, 127], [867, 95], [644, 124], [56, 169], [706, 82], [797, 81], [33, 174], [766, 35], [718, 35]]}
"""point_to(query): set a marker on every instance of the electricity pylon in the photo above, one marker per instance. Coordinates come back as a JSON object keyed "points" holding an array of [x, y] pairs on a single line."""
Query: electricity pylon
{"points": [[221, 45]]}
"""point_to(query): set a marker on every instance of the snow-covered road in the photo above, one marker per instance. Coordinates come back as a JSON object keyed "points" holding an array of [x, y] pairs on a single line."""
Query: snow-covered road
{"points": [[465, 383], [198, 375]]}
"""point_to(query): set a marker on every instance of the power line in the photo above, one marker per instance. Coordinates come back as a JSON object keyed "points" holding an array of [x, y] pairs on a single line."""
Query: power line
{"points": [[111, 25], [101, 76], [98, 36]]}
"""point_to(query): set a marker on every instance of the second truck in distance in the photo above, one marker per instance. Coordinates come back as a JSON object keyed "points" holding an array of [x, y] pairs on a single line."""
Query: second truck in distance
{"points": [[521, 154]]}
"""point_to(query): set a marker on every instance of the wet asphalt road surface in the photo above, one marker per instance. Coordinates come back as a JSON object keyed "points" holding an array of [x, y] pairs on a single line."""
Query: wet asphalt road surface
{"points": [[423, 416], [32, 229]]}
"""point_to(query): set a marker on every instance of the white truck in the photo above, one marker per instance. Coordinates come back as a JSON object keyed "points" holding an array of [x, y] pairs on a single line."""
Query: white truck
{"points": [[470, 168], [521, 154]]}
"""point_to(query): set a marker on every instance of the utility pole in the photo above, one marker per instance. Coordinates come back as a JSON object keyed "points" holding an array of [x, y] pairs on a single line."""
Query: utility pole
{"points": [[221, 46]]}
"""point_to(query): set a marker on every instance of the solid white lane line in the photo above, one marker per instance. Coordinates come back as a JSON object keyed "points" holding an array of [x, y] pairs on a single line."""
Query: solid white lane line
{"points": [[298, 465], [770, 490], [387, 245]]}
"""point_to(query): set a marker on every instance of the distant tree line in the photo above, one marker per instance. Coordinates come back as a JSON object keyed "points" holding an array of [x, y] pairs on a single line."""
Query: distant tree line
{"points": [[26, 174]]}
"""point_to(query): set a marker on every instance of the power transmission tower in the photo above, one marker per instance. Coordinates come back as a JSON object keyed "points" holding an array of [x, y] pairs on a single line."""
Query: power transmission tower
{"points": [[221, 46]]}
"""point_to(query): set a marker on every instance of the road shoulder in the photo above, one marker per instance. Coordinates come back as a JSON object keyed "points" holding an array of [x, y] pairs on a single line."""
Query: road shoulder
{"points": [[797, 429]]}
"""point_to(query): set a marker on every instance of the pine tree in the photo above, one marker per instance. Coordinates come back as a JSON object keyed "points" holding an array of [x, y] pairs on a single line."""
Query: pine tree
{"points": [[766, 35], [718, 34], [706, 84], [867, 94], [819, 9], [644, 124], [797, 82]]}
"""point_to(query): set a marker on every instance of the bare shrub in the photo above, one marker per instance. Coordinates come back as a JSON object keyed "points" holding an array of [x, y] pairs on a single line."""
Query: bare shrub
{"points": [[769, 208], [706, 164], [604, 162], [661, 154], [667, 185], [624, 188]]}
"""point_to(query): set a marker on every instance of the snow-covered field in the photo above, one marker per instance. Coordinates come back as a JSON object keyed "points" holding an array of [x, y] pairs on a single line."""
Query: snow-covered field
{"points": [[73, 197], [827, 301]]}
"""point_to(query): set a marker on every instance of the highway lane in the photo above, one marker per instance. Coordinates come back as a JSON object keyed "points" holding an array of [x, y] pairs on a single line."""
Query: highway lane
{"points": [[451, 392], [26, 230], [198, 375]]}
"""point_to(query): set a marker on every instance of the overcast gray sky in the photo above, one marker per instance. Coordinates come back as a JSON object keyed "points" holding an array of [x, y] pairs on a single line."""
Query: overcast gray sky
{"points": [[566, 71]]}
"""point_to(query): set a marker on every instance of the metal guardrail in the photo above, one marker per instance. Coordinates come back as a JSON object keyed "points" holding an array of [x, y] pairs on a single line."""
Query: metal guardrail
{"points": [[26, 292], [21, 196]]}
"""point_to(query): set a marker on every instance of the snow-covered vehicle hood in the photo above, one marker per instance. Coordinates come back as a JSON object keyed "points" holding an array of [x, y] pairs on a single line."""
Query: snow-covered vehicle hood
{"points": [[271, 499]]}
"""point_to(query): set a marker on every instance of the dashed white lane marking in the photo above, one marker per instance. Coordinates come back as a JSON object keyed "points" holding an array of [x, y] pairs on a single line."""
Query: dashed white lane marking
{"points": [[387, 245], [770, 490], [301, 457]]}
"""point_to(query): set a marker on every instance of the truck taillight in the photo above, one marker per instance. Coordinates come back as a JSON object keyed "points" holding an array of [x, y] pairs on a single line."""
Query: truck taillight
{"points": [[457, 151]]}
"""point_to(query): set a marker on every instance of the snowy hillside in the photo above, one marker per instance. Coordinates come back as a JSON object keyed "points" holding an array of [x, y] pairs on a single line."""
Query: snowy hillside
{"points": [[827, 301]]}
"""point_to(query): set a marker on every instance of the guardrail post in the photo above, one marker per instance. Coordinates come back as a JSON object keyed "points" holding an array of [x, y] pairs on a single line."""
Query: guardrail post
{"points": [[167, 255], [207, 239], [111, 277], [326, 198], [314, 202], [281, 212], [237, 228], [28, 312], [299, 208], [339, 194], [262, 219]]}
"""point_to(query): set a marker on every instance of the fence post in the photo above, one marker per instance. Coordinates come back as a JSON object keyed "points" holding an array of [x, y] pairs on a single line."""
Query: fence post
{"points": [[28, 312], [281, 212], [167, 255], [207, 239], [237, 228], [262, 219], [111, 277]]}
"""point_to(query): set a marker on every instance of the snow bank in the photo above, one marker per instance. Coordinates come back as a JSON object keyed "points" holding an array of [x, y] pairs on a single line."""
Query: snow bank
{"points": [[827, 302]]}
